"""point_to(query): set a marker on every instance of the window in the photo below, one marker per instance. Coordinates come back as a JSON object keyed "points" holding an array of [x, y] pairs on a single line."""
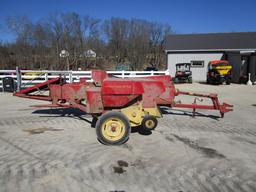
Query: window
{"points": [[197, 64]]}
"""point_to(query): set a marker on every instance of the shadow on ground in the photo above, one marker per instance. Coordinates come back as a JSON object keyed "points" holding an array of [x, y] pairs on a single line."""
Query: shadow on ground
{"points": [[141, 131], [166, 110], [76, 113], [63, 112], [205, 83], [60, 111]]}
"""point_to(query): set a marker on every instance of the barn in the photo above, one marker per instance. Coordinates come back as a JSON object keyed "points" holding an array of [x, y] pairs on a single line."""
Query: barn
{"points": [[198, 49]]}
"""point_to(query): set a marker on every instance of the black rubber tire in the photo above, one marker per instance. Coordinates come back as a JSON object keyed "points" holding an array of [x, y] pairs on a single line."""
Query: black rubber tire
{"points": [[149, 118], [228, 82], [119, 116], [210, 81], [222, 80]]}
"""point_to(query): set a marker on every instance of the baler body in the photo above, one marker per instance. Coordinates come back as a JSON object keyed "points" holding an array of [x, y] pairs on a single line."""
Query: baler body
{"points": [[118, 103]]}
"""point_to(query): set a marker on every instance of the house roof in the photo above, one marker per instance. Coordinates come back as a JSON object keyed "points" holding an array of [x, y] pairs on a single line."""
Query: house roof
{"points": [[211, 42]]}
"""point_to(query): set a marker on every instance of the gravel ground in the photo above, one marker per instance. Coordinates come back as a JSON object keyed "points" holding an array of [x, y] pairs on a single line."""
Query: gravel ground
{"points": [[57, 150]]}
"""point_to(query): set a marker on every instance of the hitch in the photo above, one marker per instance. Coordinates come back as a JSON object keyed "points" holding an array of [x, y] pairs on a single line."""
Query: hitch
{"points": [[223, 108]]}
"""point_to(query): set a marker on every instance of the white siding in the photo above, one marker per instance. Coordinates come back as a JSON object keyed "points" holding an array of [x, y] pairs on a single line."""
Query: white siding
{"points": [[198, 74]]}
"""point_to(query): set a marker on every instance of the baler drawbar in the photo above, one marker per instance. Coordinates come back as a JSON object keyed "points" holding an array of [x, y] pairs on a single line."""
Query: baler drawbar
{"points": [[118, 104]]}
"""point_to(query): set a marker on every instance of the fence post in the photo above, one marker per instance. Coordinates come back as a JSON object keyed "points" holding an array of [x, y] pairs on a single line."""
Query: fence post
{"points": [[70, 77], [46, 76], [18, 73], [122, 73], [152, 73]]}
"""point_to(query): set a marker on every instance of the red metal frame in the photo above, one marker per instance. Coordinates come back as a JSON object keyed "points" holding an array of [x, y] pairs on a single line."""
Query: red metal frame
{"points": [[110, 93], [223, 108]]}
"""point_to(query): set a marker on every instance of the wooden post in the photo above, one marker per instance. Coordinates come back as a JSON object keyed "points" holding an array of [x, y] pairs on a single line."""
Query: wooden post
{"points": [[70, 77], [122, 73], [19, 79], [67, 64], [46, 76]]}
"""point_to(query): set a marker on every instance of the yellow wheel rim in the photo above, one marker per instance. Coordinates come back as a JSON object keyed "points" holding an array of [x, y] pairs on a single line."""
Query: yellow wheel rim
{"points": [[150, 124], [113, 129]]}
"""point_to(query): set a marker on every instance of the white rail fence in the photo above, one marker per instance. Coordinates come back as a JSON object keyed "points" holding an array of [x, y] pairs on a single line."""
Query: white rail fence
{"points": [[32, 77]]}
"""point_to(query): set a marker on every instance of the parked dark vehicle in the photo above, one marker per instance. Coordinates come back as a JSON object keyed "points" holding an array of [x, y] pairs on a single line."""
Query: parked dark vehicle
{"points": [[183, 73], [219, 71]]}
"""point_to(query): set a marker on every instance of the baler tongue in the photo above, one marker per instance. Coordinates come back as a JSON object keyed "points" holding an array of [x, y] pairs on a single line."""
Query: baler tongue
{"points": [[223, 108], [45, 85]]}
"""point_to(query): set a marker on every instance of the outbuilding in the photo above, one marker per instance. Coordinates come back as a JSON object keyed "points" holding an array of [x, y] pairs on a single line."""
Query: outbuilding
{"points": [[198, 49]]}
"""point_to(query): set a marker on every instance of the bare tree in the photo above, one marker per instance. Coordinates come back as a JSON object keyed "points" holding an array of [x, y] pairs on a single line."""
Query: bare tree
{"points": [[66, 35], [117, 31], [22, 27], [158, 34], [138, 42], [116, 40], [92, 31]]}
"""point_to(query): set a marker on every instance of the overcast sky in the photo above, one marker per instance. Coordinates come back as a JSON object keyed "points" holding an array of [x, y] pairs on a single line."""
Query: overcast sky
{"points": [[185, 16]]}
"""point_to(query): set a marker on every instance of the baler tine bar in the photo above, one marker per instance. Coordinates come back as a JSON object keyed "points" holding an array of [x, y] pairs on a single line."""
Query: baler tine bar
{"points": [[223, 108]]}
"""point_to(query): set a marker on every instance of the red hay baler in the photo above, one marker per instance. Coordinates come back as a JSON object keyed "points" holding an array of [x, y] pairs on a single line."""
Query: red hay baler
{"points": [[118, 104]]}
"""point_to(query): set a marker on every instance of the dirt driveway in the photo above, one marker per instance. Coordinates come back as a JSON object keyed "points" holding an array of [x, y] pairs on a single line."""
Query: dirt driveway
{"points": [[57, 150]]}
